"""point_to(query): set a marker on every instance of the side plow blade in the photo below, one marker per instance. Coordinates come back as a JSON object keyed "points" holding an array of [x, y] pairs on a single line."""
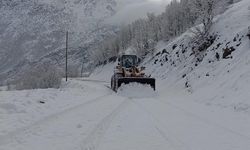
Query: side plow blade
{"points": [[149, 81]]}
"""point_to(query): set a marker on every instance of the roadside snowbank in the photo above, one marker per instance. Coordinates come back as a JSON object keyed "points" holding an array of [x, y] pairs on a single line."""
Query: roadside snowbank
{"points": [[20, 109]]}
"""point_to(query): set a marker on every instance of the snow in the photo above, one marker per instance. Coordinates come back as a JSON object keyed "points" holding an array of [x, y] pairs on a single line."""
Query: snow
{"points": [[84, 113], [3, 88], [135, 90], [22, 115], [103, 72], [222, 83]]}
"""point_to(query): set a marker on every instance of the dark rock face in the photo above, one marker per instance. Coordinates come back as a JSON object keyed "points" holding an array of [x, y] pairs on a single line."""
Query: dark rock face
{"points": [[227, 52]]}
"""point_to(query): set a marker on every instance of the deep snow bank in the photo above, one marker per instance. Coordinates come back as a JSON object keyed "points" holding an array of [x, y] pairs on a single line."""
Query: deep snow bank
{"points": [[135, 90]]}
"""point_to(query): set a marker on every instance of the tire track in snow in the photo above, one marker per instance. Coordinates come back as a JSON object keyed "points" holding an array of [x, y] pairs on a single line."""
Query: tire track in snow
{"points": [[174, 142], [91, 142], [206, 121], [177, 142], [11, 135]]}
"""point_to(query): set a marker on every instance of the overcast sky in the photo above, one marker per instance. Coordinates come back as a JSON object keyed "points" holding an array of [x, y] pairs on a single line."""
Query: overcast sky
{"points": [[131, 10]]}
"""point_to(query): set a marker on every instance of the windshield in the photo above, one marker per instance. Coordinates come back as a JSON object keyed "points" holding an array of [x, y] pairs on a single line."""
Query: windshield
{"points": [[128, 61]]}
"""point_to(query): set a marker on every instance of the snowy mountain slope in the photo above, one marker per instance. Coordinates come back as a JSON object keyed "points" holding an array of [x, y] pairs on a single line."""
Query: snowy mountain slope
{"points": [[31, 31], [211, 79], [227, 78]]}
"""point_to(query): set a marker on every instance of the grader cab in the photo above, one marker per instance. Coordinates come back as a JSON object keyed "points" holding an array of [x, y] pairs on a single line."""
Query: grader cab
{"points": [[128, 71]]}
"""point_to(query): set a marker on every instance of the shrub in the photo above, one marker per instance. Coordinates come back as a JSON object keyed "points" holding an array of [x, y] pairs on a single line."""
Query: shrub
{"points": [[73, 71], [42, 76]]}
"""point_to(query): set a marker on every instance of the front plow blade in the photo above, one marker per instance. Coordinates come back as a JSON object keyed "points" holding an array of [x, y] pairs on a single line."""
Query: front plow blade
{"points": [[149, 81]]}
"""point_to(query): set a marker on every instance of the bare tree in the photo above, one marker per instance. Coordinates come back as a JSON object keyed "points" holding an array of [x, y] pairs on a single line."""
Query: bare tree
{"points": [[205, 9]]}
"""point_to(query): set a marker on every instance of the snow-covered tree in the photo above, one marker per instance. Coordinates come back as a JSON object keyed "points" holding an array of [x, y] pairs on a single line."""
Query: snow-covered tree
{"points": [[180, 15], [205, 10]]}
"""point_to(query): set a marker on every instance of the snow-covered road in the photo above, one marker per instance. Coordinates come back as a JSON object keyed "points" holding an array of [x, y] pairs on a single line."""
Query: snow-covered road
{"points": [[86, 115]]}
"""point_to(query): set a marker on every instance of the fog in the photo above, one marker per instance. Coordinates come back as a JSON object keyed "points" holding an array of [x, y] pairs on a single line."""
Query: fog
{"points": [[130, 10]]}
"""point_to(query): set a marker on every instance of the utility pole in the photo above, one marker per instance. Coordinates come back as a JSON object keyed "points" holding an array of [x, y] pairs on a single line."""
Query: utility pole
{"points": [[82, 70], [66, 59]]}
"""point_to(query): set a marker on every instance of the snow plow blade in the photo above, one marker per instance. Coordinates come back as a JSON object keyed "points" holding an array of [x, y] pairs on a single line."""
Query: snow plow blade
{"points": [[149, 81]]}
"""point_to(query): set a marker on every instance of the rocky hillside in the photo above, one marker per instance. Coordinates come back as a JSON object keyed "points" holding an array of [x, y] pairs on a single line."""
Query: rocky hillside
{"points": [[216, 74]]}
